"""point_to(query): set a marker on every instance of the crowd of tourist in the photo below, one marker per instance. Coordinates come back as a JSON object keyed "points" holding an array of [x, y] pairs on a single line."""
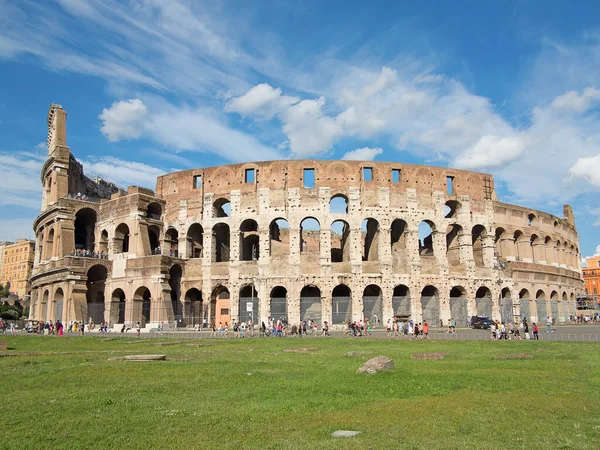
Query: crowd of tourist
{"points": [[84, 253], [78, 196]]}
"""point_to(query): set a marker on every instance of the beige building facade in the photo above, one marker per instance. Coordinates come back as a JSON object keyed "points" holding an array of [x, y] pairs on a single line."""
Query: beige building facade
{"points": [[17, 265], [310, 239]]}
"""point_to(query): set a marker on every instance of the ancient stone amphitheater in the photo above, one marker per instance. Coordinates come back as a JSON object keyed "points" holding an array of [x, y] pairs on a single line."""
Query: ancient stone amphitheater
{"points": [[319, 240]]}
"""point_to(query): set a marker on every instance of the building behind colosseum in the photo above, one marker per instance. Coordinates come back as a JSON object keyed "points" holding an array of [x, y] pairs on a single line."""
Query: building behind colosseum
{"points": [[320, 240]]}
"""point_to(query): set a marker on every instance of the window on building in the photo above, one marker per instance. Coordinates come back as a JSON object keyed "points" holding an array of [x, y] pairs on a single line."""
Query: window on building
{"points": [[197, 181], [249, 176], [396, 178], [367, 174], [309, 178], [450, 185]]}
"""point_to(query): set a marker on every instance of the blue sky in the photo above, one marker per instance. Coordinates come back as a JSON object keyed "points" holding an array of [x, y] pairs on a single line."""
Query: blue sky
{"points": [[150, 86]]}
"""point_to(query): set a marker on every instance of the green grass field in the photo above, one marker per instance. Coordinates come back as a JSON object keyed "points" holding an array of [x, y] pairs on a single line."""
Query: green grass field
{"points": [[71, 393]]}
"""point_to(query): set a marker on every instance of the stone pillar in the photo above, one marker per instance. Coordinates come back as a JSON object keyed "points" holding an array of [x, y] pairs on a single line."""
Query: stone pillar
{"points": [[357, 305], [325, 247], [466, 249], [235, 236], [355, 250], [524, 249], [488, 251], [295, 246], [539, 252], [508, 249], [551, 255]]}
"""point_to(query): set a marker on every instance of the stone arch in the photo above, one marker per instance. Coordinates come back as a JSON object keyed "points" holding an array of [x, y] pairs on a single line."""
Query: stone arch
{"points": [[341, 298], [279, 234], [340, 241], [194, 308], [532, 220], [372, 302], [220, 312], [154, 239], [459, 304], [506, 307], [118, 306], [483, 301], [478, 234], [195, 241], [57, 302], [541, 307], [401, 304], [517, 238], [249, 240], [537, 249], [453, 244], [398, 235], [142, 301], [430, 305], [121, 238], [310, 304], [85, 224], [49, 244], [154, 211], [525, 298], [221, 242], [96, 285], [426, 230], [172, 242], [310, 236], [452, 209], [338, 204], [175, 275], [279, 307], [554, 306], [221, 208], [103, 244], [248, 310], [44, 305], [370, 239]]}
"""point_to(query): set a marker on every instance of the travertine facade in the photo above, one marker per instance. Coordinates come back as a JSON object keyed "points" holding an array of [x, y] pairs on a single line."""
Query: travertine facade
{"points": [[591, 277], [321, 240]]}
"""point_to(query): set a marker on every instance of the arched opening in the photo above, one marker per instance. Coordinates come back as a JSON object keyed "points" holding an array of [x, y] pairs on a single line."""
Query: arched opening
{"points": [[453, 234], [566, 307], [175, 273], [372, 303], [426, 229], [401, 302], [554, 306], [44, 308], [172, 242], [531, 220], [249, 241], [524, 299], [279, 304], [548, 250], [154, 239], [118, 307], [279, 233], [506, 307], [195, 241], [141, 306], [219, 302], [50, 244], [310, 304], [499, 241], [96, 283], [341, 305], [221, 208], [398, 233], [536, 248], [451, 209], [221, 242], [478, 234], [58, 304], [338, 204], [103, 247], [340, 241], [540, 300], [194, 311], [518, 237], [154, 211], [85, 223], [370, 239], [458, 305], [310, 236], [430, 305], [249, 304], [122, 238], [483, 302]]}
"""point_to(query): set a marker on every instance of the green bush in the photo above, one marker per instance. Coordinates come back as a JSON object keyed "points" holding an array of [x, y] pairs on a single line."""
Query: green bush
{"points": [[10, 314]]}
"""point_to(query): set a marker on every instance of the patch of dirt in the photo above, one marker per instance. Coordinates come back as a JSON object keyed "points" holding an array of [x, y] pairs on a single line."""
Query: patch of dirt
{"points": [[300, 350], [161, 344], [358, 353], [197, 345], [515, 356], [429, 355]]}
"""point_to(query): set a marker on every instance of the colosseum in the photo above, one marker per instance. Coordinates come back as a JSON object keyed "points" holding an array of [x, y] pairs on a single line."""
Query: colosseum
{"points": [[299, 240]]}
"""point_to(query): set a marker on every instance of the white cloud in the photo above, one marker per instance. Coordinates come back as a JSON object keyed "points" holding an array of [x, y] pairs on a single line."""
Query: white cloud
{"points": [[123, 173], [42, 146], [124, 120], [308, 130], [363, 154], [587, 168], [261, 100], [20, 180], [491, 152], [573, 101]]}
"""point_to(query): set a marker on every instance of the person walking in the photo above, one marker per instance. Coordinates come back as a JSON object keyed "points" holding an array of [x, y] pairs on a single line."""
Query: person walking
{"points": [[536, 331]]}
